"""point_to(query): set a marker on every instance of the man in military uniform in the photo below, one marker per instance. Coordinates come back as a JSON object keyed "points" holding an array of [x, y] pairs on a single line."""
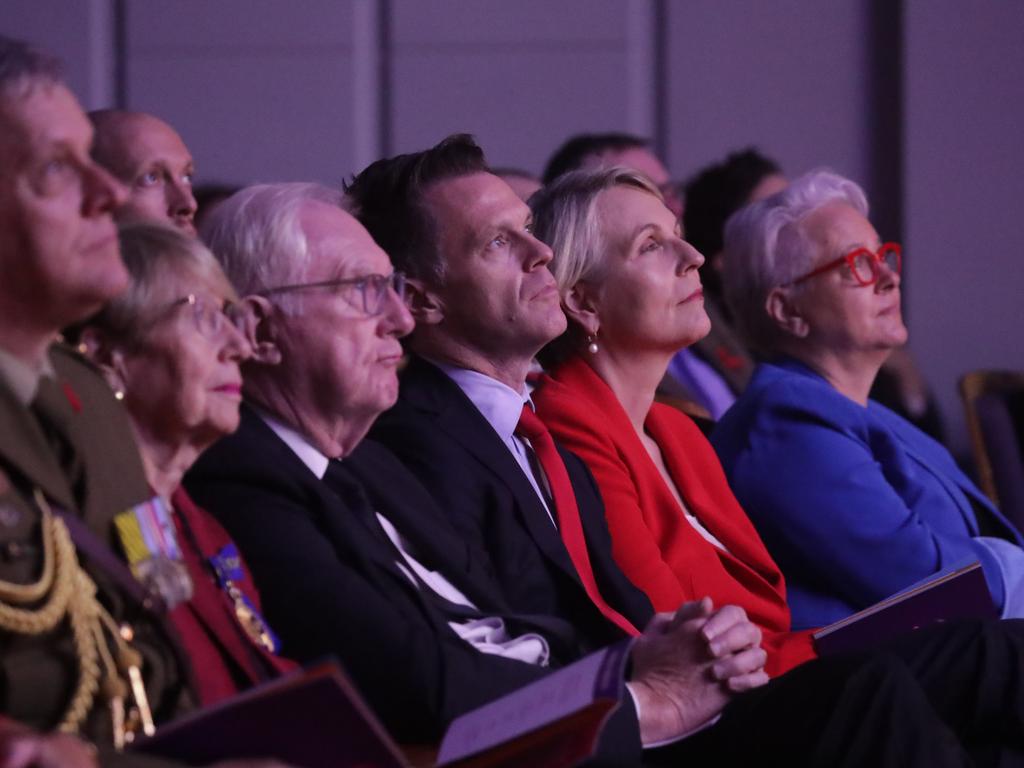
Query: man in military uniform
{"points": [[81, 651]]}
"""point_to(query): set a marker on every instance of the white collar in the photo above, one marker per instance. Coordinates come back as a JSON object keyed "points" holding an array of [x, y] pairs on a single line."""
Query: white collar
{"points": [[22, 378], [497, 402], [308, 454]]}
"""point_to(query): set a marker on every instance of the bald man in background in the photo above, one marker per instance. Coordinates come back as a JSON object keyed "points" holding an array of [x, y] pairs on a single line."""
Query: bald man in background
{"points": [[149, 157]]}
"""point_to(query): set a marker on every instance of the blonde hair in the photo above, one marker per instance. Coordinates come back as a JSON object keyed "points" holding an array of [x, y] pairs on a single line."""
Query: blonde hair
{"points": [[565, 217]]}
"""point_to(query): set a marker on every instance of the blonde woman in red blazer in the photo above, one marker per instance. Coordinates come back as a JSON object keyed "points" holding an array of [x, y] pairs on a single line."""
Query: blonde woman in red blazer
{"points": [[632, 293]]}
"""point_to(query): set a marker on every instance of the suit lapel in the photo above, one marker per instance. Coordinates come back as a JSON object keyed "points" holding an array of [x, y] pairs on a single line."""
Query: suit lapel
{"points": [[413, 513], [933, 459], [428, 389], [256, 435]]}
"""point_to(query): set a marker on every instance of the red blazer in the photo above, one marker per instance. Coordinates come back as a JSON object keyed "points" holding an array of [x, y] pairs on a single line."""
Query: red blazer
{"points": [[224, 658], [651, 539]]}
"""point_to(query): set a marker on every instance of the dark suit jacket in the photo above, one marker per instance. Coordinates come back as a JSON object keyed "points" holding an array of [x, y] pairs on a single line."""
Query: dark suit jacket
{"points": [[440, 435], [329, 582], [38, 674]]}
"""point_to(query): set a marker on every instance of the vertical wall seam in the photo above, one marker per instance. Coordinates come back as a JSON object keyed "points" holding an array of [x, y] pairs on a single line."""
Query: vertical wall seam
{"points": [[120, 39], [385, 104], [659, 85]]}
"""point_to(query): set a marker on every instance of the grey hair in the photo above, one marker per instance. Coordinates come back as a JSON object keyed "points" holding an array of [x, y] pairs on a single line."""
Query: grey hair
{"points": [[22, 66], [565, 217], [258, 238], [765, 247], [155, 255]]}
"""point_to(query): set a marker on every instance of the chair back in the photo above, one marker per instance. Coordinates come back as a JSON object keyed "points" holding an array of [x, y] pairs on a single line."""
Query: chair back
{"points": [[994, 403]]}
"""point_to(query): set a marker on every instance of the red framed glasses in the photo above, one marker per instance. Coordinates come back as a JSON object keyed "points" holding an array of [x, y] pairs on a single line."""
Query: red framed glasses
{"points": [[863, 264]]}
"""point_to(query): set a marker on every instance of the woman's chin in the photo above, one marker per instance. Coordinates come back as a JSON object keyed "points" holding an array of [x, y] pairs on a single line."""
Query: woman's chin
{"points": [[692, 335]]}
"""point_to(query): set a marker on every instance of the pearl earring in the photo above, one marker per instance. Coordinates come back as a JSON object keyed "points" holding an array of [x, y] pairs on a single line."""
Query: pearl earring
{"points": [[592, 347], [119, 394]]}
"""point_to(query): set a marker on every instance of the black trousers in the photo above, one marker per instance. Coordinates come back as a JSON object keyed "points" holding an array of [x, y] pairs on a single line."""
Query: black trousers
{"points": [[951, 695]]}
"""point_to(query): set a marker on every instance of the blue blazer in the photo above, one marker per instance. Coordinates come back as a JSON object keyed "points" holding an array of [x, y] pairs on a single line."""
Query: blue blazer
{"points": [[856, 503]]}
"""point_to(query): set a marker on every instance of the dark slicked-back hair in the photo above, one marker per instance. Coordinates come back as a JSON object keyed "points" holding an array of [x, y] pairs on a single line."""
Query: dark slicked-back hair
{"points": [[387, 198], [715, 193], [575, 152], [21, 65]]}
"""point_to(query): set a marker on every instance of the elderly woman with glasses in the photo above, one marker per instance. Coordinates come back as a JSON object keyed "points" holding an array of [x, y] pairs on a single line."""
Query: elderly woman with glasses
{"points": [[171, 347], [853, 501]]}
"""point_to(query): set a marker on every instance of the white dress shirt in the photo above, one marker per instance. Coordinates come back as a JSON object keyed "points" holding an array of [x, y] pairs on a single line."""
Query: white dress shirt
{"points": [[501, 406], [487, 634]]}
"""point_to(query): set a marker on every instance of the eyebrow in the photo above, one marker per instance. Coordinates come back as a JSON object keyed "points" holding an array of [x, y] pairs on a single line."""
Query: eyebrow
{"points": [[484, 233], [643, 228], [851, 248]]}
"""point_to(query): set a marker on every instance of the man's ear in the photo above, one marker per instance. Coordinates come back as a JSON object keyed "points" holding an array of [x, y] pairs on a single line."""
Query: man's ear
{"points": [[785, 312], [580, 305], [257, 321], [425, 305], [96, 346]]}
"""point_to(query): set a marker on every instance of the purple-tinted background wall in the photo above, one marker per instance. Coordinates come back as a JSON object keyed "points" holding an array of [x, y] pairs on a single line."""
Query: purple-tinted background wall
{"points": [[918, 100], [964, 182]]}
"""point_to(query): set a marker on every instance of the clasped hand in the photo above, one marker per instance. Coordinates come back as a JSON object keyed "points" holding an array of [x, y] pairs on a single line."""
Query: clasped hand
{"points": [[687, 665]]}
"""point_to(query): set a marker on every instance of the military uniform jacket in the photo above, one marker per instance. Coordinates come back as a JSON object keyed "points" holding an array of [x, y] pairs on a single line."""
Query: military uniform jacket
{"points": [[38, 673]]}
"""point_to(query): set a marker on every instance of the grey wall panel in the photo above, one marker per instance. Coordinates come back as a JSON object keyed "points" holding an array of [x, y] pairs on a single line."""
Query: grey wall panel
{"points": [[519, 106], [483, 22], [78, 32], [788, 75], [964, 189], [261, 91], [520, 76]]}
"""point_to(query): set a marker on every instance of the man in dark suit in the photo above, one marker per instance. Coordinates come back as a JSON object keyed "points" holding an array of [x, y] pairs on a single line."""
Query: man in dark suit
{"points": [[66, 451], [484, 302]]}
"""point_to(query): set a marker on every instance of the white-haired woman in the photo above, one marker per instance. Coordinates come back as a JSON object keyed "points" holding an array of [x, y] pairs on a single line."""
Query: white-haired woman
{"points": [[853, 501], [170, 348], [631, 290]]}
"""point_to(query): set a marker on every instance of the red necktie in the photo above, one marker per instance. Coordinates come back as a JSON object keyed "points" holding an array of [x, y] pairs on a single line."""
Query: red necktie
{"points": [[568, 513]]}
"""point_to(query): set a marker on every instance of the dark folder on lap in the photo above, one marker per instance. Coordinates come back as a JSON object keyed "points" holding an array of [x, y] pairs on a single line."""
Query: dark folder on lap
{"points": [[956, 593]]}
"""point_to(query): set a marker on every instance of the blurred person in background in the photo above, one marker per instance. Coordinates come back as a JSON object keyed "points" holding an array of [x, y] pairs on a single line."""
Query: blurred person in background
{"points": [[149, 157], [523, 183], [604, 150]]}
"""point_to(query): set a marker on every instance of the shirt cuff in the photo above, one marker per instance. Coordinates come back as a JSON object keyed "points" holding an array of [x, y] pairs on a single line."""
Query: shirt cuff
{"points": [[672, 739]]}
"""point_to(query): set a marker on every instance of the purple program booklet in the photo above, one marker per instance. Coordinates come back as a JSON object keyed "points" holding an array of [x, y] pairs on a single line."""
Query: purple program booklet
{"points": [[957, 593], [552, 723]]}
